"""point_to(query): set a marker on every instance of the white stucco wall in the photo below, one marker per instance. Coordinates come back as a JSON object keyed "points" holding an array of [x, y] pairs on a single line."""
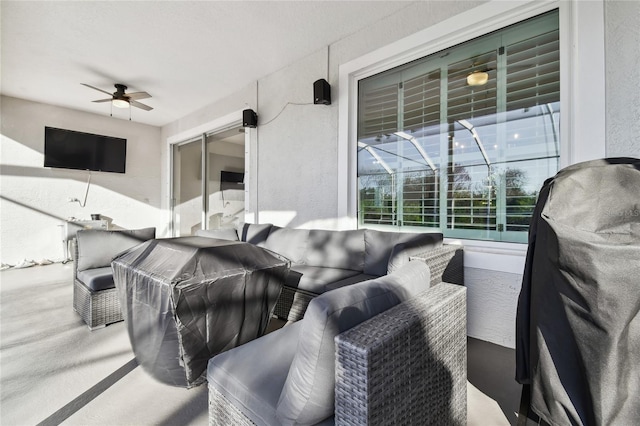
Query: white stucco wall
{"points": [[34, 199], [622, 44]]}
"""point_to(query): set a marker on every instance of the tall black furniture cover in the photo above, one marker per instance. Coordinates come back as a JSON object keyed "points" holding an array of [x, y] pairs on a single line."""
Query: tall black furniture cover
{"points": [[578, 319], [187, 299]]}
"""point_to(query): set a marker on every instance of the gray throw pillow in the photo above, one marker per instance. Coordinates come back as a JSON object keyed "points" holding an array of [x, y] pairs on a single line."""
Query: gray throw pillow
{"points": [[308, 393], [96, 248]]}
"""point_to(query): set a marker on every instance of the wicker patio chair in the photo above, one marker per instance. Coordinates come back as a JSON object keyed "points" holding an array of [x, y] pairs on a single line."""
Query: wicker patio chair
{"points": [[405, 366], [93, 250], [97, 308]]}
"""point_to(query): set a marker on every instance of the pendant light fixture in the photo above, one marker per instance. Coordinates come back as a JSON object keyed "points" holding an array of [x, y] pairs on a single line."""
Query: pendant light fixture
{"points": [[478, 78]]}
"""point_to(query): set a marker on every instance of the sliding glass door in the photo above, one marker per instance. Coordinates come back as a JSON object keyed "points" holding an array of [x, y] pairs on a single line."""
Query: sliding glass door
{"points": [[225, 179], [219, 157], [187, 187]]}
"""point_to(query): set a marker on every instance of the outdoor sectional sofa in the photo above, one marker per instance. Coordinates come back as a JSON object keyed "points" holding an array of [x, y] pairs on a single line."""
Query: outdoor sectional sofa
{"points": [[391, 350], [323, 260]]}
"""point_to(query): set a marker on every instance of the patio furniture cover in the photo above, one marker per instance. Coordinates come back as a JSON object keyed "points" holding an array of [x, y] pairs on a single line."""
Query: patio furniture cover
{"points": [[578, 320], [187, 299]]}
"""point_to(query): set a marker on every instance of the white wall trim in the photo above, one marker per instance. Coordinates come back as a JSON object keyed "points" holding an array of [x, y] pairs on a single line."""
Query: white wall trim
{"points": [[582, 96], [583, 76], [213, 125]]}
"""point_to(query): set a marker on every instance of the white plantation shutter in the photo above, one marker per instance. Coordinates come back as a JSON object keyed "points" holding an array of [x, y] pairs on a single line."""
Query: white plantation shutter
{"points": [[533, 71], [378, 111], [421, 101]]}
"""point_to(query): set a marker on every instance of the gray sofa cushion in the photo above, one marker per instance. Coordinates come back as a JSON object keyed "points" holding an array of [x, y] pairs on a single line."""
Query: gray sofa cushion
{"points": [[97, 279], [256, 389], [229, 234], [254, 233], [336, 249], [348, 281], [289, 242], [96, 248], [316, 279], [378, 247], [308, 393]]}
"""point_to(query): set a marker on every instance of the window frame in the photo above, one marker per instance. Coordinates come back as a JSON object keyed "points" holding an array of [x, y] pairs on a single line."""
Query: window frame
{"points": [[581, 47]]}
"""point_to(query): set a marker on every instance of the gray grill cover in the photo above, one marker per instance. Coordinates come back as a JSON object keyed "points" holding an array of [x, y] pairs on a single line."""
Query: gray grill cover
{"points": [[187, 299], [578, 320]]}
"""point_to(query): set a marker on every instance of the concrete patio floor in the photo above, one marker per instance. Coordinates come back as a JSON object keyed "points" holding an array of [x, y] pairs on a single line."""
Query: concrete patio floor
{"points": [[54, 370]]}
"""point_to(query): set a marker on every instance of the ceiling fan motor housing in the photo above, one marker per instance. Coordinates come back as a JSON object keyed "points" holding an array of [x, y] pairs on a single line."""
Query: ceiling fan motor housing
{"points": [[120, 89]]}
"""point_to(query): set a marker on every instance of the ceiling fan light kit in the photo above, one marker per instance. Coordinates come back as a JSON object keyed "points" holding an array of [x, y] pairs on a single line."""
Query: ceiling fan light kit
{"points": [[120, 103], [478, 78]]}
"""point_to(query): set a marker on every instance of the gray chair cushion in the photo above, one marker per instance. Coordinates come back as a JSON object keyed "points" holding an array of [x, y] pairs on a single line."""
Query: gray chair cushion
{"points": [[96, 248], [308, 393], [229, 234], [289, 242], [336, 249], [97, 279], [254, 233], [378, 247], [316, 279], [252, 375]]}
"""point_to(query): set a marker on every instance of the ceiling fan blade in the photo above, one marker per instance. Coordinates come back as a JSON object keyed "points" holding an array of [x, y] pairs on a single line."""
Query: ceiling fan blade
{"points": [[138, 95], [103, 100], [140, 105], [99, 90]]}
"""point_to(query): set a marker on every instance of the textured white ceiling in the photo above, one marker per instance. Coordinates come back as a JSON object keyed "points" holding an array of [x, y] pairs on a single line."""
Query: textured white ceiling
{"points": [[185, 54]]}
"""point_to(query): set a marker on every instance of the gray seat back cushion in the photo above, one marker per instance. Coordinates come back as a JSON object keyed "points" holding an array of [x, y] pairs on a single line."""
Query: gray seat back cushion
{"points": [[253, 384], [289, 242], [229, 234], [336, 249], [254, 233], [96, 248], [378, 247], [308, 393]]}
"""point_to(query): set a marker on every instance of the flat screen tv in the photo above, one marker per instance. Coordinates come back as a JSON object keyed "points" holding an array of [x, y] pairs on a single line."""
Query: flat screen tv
{"points": [[231, 180], [68, 149]]}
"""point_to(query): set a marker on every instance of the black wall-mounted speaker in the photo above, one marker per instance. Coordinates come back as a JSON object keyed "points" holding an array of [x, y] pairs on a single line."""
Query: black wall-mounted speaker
{"points": [[249, 118], [321, 92]]}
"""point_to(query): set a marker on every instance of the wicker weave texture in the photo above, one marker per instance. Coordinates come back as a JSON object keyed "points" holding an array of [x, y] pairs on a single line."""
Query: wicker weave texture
{"points": [[223, 413], [446, 263], [97, 308], [292, 303], [406, 365]]}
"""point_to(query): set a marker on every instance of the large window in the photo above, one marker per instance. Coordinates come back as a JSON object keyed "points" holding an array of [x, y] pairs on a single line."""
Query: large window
{"points": [[462, 140]]}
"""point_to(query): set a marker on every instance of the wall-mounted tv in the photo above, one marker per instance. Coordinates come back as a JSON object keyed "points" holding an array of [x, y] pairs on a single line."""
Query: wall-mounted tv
{"points": [[231, 180], [68, 149]]}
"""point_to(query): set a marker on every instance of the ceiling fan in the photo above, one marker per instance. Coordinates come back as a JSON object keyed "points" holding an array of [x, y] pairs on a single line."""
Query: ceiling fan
{"points": [[120, 99]]}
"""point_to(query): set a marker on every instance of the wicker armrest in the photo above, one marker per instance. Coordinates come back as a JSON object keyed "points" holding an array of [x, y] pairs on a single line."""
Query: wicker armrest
{"points": [[407, 365], [446, 263]]}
